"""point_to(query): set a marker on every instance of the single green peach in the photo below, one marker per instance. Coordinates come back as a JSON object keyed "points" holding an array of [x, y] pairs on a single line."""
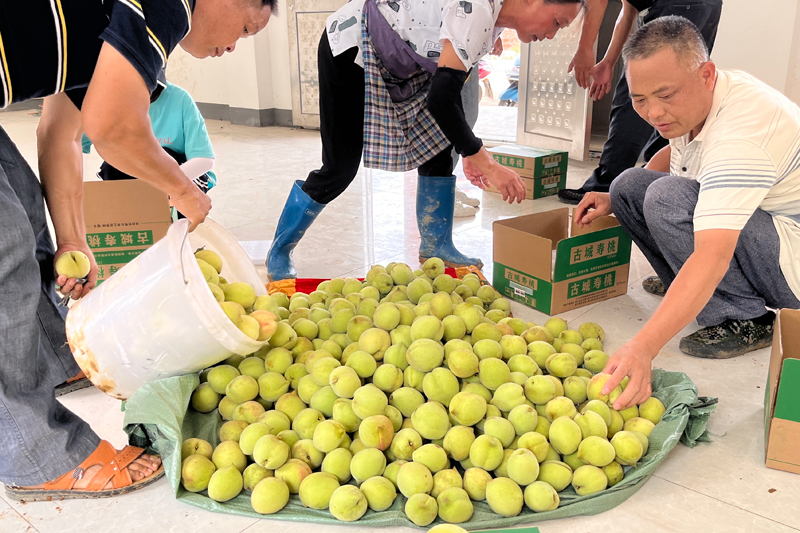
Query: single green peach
{"points": [[541, 497], [504, 496], [225, 484], [589, 479]]}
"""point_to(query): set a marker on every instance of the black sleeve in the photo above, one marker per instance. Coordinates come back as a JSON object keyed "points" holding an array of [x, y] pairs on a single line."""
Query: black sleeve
{"points": [[444, 103], [77, 96], [146, 32]]}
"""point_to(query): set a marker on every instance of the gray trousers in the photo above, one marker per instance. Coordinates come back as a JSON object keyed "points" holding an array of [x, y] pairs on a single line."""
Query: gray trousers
{"points": [[39, 438], [657, 210]]}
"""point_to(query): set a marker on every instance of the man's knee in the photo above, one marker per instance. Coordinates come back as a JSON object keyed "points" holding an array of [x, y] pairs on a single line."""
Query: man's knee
{"points": [[629, 185], [670, 199]]}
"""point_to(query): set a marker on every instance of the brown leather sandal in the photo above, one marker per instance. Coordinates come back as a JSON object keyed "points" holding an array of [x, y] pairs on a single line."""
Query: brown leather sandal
{"points": [[77, 382], [113, 468]]}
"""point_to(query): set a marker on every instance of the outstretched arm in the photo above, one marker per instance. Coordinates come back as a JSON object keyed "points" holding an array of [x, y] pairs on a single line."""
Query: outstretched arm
{"points": [[58, 143], [584, 58], [444, 103], [602, 72], [115, 116], [687, 295]]}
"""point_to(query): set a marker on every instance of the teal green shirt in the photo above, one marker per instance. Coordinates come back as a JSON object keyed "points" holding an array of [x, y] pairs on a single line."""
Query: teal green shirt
{"points": [[178, 125]]}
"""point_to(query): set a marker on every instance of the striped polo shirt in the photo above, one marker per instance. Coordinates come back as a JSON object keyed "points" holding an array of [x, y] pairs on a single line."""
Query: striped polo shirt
{"points": [[52, 46], [746, 157]]}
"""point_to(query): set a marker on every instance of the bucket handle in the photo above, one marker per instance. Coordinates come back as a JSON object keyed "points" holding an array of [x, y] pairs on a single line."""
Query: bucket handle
{"points": [[183, 245]]}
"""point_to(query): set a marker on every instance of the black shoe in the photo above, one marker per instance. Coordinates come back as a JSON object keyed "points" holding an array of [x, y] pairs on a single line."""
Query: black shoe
{"points": [[571, 196], [731, 338], [654, 285]]}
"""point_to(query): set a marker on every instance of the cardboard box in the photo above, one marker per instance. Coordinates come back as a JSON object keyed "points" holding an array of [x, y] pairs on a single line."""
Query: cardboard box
{"points": [[539, 187], [544, 172], [591, 264], [782, 397], [123, 219], [531, 162]]}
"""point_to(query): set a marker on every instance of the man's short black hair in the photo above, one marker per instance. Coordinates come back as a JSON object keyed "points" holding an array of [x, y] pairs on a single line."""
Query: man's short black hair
{"points": [[676, 33], [273, 6]]}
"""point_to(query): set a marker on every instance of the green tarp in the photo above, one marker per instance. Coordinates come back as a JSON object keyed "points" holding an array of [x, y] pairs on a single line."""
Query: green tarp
{"points": [[157, 417]]}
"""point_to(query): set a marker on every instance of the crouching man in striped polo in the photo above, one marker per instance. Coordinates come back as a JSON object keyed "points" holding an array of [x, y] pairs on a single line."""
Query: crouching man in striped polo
{"points": [[717, 212]]}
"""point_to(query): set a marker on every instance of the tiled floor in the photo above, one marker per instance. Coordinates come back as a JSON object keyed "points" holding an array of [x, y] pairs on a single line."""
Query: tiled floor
{"points": [[497, 123], [723, 486]]}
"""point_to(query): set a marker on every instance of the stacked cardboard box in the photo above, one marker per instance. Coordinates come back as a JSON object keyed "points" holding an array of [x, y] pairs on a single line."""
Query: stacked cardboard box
{"points": [[543, 171]]}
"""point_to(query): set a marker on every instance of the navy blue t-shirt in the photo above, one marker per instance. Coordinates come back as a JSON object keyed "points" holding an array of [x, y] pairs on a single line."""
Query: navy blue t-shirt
{"points": [[52, 46], [641, 5]]}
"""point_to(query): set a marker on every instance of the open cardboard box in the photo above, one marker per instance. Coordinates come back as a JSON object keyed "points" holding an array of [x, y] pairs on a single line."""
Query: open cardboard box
{"points": [[591, 264], [122, 219], [782, 398]]}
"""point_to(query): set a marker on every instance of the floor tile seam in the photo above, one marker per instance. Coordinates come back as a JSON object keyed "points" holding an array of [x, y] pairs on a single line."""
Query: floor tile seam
{"points": [[388, 259], [725, 502], [257, 521], [11, 507], [584, 311], [471, 226], [250, 220], [356, 257], [637, 280], [232, 229]]}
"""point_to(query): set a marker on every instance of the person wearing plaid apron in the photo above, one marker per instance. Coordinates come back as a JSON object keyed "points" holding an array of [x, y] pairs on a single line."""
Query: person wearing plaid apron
{"points": [[390, 79]]}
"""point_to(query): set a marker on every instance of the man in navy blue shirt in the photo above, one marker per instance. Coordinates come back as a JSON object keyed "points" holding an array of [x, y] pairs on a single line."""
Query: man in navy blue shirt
{"points": [[95, 62]]}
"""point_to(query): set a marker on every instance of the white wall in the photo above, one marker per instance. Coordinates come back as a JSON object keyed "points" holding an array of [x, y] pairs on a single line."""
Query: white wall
{"points": [[793, 91], [204, 79], [254, 76], [761, 38], [278, 38]]}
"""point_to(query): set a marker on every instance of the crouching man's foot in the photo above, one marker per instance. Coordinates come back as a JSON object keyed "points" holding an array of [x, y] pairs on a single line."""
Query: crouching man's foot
{"points": [[731, 338], [654, 285]]}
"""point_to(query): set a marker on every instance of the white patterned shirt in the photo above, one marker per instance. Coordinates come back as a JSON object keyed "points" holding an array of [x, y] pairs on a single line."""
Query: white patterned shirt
{"points": [[424, 25]]}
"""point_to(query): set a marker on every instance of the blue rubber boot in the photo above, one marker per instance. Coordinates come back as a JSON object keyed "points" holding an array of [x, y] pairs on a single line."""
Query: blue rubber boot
{"points": [[435, 202], [298, 214]]}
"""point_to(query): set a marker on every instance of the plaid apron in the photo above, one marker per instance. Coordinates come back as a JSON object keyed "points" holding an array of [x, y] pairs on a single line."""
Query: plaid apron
{"points": [[398, 135]]}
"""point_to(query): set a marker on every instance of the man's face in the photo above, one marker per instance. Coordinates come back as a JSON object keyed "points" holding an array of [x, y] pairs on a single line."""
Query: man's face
{"points": [[674, 98], [541, 20], [218, 24]]}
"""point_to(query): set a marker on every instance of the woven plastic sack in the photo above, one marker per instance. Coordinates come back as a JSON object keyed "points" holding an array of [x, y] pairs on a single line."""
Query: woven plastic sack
{"points": [[157, 417]]}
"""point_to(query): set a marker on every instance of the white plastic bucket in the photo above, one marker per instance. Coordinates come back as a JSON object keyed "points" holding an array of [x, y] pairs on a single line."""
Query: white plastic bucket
{"points": [[157, 318]]}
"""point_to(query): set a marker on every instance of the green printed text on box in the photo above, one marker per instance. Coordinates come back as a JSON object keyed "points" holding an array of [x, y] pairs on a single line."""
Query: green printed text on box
{"points": [[117, 257], [592, 252], [119, 239], [523, 288], [549, 185], [531, 162], [602, 281]]}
